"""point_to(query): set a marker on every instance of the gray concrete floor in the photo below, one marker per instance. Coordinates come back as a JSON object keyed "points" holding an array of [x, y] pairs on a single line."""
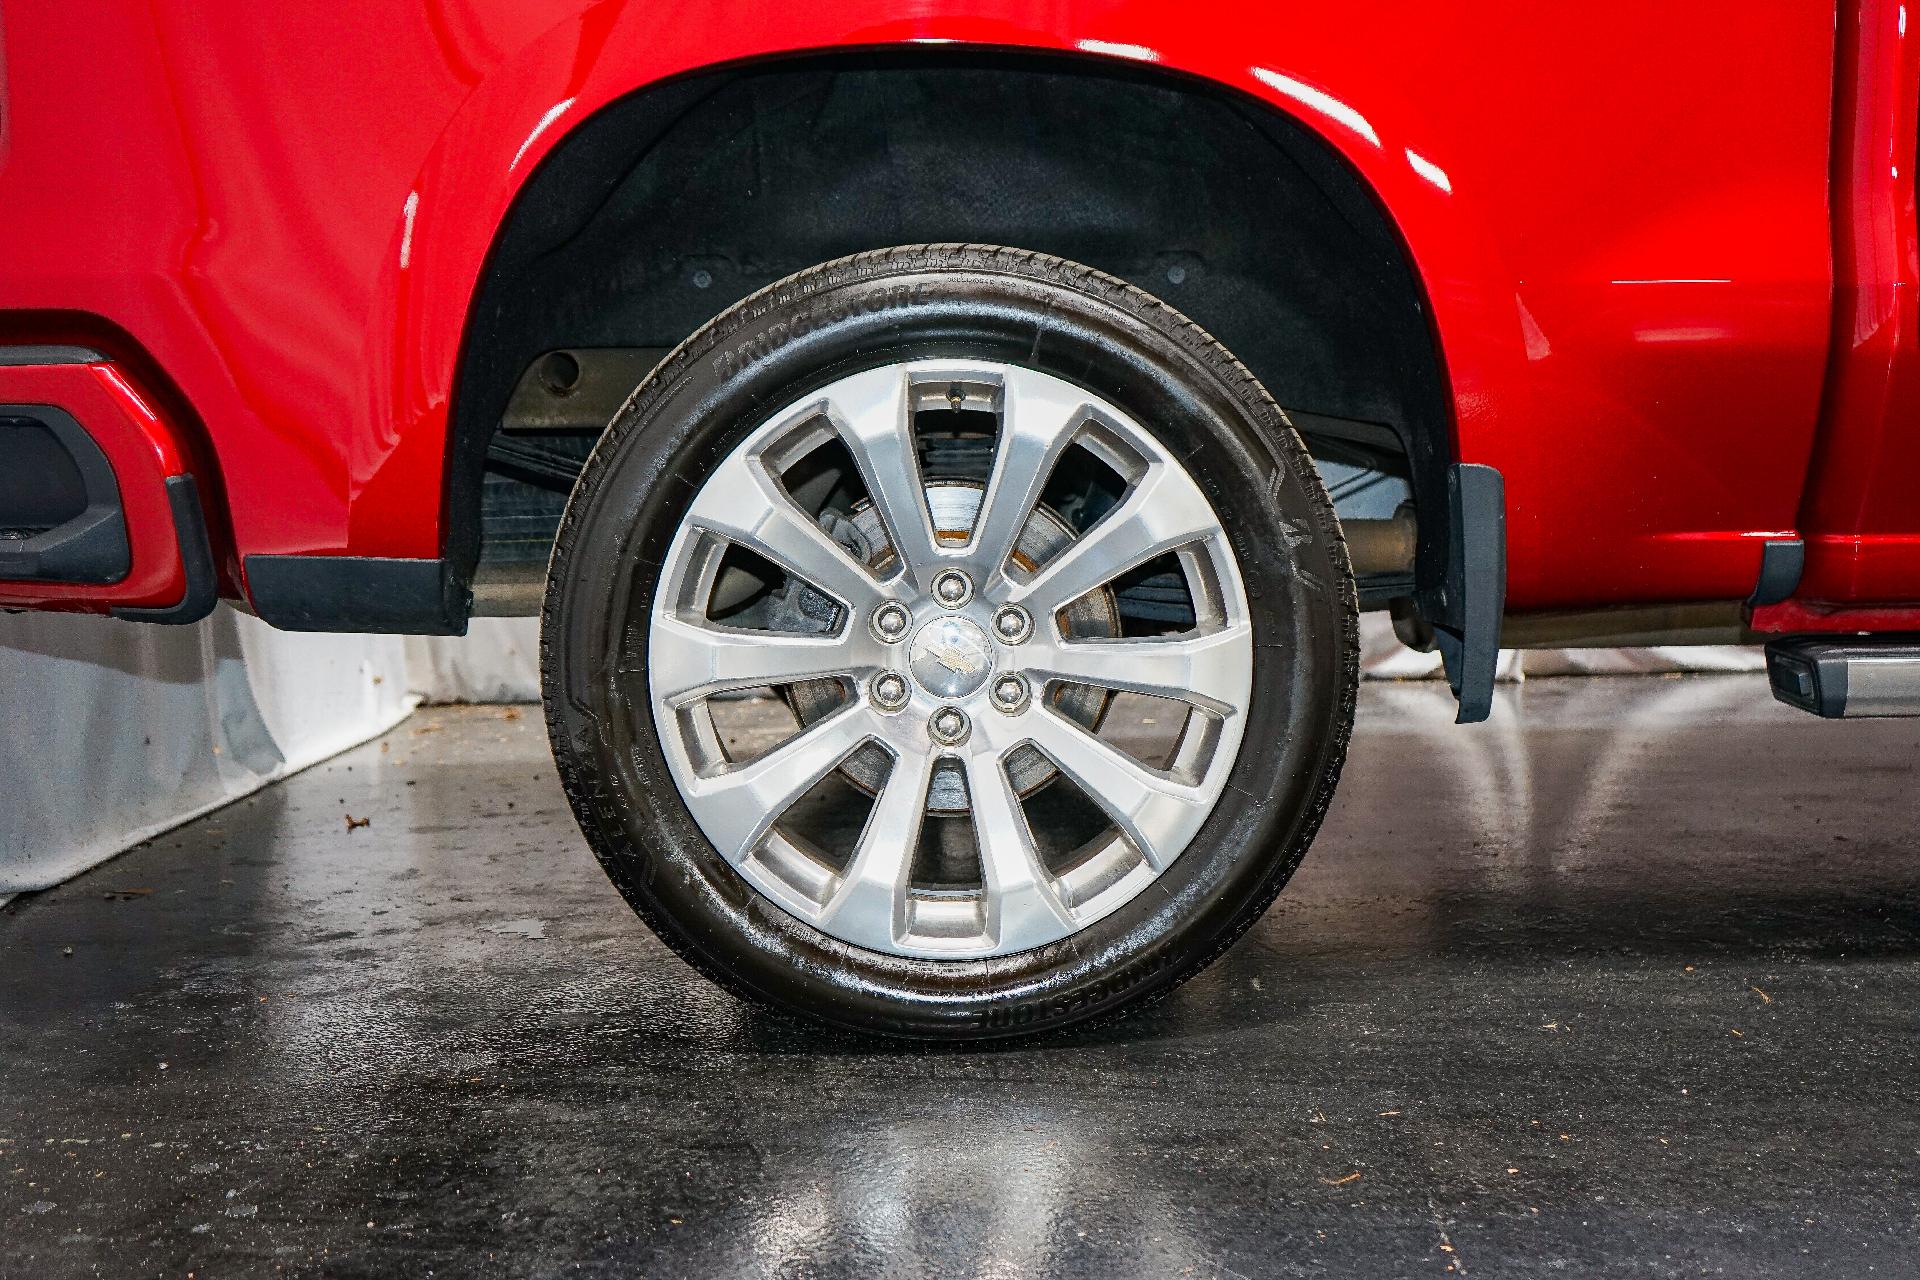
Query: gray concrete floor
{"points": [[1624, 982]]}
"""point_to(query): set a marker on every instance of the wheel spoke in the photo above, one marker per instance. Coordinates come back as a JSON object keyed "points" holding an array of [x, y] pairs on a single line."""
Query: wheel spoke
{"points": [[1036, 425], [745, 505], [1164, 511], [687, 661], [1210, 671], [736, 806], [869, 907], [871, 414], [1154, 812], [1022, 907]]}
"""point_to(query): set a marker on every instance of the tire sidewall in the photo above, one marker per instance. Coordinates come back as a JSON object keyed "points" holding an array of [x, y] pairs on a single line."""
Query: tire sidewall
{"points": [[790, 341]]}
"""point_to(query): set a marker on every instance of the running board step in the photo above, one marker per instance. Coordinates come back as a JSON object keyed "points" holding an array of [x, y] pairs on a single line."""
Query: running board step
{"points": [[1847, 678]]}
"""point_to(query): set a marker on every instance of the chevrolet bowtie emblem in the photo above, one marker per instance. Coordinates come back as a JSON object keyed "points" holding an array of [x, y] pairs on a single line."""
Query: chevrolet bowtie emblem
{"points": [[951, 657], [954, 658]]}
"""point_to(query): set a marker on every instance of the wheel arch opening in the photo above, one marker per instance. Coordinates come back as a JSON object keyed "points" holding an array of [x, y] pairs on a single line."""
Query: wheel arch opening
{"points": [[672, 203]]}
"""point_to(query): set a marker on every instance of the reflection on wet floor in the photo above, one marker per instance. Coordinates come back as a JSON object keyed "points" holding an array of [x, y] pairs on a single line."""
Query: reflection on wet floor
{"points": [[1625, 980]]}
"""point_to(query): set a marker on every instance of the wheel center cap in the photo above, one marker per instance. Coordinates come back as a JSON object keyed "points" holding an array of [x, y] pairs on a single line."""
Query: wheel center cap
{"points": [[950, 657]]}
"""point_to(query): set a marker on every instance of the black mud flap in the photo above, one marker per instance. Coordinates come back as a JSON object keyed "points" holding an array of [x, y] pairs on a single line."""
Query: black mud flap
{"points": [[1466, 625]]}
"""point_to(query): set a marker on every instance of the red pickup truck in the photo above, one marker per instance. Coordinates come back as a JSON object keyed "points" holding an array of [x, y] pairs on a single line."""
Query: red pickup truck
{"points": [[949, 444]]}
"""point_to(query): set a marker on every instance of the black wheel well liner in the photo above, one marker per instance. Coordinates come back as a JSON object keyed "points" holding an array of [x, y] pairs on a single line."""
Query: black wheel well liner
{"points": [[671, 203]]}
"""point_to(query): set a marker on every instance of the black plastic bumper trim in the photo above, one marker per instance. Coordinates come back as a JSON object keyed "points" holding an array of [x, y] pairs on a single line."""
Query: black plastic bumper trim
{"points": [[358, 593], [196, 558], [92, 546]]}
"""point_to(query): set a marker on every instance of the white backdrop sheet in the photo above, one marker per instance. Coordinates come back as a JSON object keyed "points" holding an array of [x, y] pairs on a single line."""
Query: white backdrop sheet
{"points": [[116, 731]]}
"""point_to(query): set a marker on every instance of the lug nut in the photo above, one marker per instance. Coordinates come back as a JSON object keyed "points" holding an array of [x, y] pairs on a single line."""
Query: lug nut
{"points": [[889, 690], [1013, 624], [890, 623], [952, 588], [1009, 693], [948, 726]]}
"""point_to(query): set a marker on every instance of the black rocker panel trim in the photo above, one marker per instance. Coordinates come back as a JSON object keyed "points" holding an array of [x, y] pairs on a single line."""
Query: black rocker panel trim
{"points": [[358, 593]]}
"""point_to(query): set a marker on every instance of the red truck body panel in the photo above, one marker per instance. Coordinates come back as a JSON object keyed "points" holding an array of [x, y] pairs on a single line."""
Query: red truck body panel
{"points": [[1861, 514], [1620, 215]]}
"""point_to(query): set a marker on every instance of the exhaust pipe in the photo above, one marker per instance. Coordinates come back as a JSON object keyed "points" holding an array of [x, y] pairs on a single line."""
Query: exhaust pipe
{"points": [[1382, 547]]}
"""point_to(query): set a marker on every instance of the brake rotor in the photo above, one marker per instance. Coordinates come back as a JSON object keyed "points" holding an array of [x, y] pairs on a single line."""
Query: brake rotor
{"points": [[954, 505]]}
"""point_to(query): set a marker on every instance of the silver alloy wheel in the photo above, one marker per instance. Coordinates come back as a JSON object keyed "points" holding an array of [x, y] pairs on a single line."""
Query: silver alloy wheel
{"points": [[950, 659]]}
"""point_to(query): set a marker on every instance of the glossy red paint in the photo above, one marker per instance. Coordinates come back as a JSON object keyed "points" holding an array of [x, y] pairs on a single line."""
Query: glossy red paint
{"points": [[1619, 214]]}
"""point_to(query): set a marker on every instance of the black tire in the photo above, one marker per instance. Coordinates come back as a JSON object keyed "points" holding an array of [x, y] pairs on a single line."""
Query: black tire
{"points": [[1022, 308]]}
